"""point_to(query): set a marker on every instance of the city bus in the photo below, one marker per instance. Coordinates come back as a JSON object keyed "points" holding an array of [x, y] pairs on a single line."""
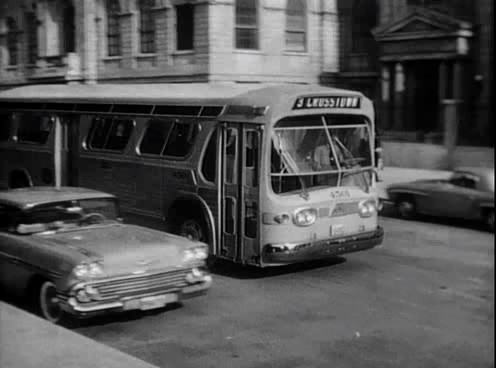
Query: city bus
{"points": [[266, 175]]}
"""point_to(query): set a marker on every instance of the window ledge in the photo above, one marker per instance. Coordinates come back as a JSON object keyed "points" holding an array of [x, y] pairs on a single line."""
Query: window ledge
{"points": [[183, 52], [12, 68], [296, 53], [146, 56], [111, 58], [248, 51]]}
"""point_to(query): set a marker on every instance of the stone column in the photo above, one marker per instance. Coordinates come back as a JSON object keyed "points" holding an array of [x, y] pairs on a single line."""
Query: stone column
{"points": [[86, 35], [399, 88], [385, 97]]}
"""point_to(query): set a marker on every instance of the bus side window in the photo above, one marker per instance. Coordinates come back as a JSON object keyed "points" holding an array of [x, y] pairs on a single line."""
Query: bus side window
{"points": [[251, 158], [110, 134], [231, 149], [34, 128], [119, 134], [209, 163], [155, 136], [181, 138], [99, 132]]}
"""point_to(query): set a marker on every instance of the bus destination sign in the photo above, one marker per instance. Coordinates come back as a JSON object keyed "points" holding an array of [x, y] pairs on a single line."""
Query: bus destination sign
{"points": [[327, 102]]}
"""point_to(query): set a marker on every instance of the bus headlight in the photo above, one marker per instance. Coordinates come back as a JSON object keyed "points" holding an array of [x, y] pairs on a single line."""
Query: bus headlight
{"points": [[305, 217], [367, 208]]}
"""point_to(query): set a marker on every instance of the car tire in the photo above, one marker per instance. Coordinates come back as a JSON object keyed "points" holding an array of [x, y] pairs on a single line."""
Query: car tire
{"points": [[405, 207], [489, 220], [48, 304]]}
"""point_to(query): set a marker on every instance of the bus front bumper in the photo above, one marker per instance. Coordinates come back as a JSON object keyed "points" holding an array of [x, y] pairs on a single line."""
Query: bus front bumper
{"points": [[300, 252]]}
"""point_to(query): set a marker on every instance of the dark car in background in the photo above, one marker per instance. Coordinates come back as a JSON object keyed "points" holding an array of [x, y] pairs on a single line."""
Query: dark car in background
{"points": [[69, 252], [467, 194]]}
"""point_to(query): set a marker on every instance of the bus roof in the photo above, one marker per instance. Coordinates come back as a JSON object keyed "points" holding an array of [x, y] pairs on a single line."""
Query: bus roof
{"points": [[178, 93]]}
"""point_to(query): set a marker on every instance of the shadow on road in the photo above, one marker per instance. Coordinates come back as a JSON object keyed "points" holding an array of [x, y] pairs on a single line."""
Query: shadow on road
{"points": [[229, 269]]}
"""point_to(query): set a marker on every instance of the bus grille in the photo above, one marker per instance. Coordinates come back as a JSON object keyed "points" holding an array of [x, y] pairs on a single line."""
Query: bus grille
{"points": [[141, 285]]}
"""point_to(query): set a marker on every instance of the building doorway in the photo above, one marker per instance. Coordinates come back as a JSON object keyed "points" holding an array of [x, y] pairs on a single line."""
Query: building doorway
{"points": [[423, 97]]}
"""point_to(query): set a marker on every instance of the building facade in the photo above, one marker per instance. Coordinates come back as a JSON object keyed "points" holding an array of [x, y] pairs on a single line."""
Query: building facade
{"points": [[426, 63], [91, 41]]}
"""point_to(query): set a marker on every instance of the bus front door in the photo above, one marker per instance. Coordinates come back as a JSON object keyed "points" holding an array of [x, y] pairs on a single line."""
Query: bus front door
{"points": [[239, 192]]}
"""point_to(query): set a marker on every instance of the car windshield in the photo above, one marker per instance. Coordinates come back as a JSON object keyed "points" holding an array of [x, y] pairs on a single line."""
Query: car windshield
{"points": [[315, 151], [64, 215]]}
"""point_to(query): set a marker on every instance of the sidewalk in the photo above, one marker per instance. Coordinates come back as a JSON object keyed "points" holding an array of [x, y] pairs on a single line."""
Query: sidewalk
{"points": [[392, 175], [27, 341]]}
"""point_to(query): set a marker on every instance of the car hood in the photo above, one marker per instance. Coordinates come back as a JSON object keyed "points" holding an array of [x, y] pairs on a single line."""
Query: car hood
{"points": [[419, 184], [123, 248]]}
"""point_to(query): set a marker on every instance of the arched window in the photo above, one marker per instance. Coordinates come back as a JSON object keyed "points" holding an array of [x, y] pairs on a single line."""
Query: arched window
{"points": [[12, 41], [32, 36], [146, 26], [365, 15], [296, 25], [113, 28], [246, 24]]}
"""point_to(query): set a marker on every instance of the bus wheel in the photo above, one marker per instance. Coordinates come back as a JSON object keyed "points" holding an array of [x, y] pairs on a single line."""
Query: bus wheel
{"points": [[193, 229]]}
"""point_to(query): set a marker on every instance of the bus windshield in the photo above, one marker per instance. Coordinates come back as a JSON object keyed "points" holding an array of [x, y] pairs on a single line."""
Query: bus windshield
{"points": [[321, 150]]}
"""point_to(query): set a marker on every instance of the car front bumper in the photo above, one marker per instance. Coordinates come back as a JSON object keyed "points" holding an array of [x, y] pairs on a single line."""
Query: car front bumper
{"points": [[135, 302], [275, 254]]}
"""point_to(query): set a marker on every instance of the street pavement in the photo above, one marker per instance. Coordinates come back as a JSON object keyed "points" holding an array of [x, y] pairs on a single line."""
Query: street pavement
{"points": [[423, 299]]}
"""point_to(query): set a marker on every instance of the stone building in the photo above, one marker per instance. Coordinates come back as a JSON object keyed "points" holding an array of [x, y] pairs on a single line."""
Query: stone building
{"points": [[428, 64], [91, 41]]}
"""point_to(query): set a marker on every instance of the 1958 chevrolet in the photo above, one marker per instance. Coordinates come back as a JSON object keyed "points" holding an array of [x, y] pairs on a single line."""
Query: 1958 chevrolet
{"points": [[68, 251]]}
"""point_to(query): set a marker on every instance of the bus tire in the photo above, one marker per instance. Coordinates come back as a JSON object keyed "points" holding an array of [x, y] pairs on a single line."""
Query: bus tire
{"points": [[193, 229]]}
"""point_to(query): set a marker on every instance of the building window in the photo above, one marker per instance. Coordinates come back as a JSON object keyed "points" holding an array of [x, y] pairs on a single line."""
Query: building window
{"points": [[184, 26], [364, 19], [32, 37], [295, 25], [69, 28], [146, 27], [246, 24], [12, 41], [113, 28]]}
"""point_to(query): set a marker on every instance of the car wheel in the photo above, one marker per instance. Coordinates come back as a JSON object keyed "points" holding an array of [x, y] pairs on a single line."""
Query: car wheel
{"points": [[48, 302], [489, 219], [406, 207], [193, 230]]}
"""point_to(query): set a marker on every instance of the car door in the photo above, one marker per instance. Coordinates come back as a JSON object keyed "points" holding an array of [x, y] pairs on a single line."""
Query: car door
{"points": [[13, 271], [456, 198]]}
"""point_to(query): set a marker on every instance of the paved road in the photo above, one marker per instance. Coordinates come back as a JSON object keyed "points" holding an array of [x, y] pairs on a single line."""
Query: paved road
{"points": [[425, 299]]}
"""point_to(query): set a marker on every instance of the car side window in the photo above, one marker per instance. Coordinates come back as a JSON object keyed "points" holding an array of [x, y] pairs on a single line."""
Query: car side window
{"points": [[464, 181]]}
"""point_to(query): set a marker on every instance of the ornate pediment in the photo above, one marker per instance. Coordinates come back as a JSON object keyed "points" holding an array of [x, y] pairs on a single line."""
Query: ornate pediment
{"points": [[423, 22]]}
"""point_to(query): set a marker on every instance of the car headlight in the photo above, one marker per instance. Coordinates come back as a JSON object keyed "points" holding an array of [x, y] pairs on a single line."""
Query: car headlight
{"points": [[367, 208], [196, 253], [305, 217], [88, 270], [86, 293]]}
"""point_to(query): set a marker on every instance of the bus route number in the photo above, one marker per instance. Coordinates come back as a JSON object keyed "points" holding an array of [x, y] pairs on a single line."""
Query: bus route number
{"points": [[339, 194]]}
